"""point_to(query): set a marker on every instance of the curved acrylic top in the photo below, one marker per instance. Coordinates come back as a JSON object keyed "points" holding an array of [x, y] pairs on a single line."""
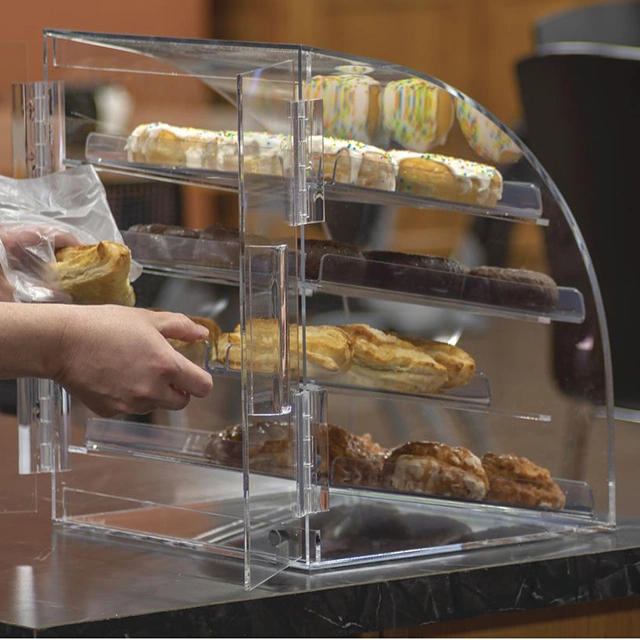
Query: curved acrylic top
{"points": [[418, 124]]}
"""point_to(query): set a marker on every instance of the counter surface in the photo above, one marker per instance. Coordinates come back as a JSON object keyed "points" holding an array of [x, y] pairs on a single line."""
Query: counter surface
{"points": [[63, 583]]}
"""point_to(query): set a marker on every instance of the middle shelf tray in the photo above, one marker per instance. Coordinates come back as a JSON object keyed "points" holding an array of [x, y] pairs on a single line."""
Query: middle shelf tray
{"points": [[218, 262]]}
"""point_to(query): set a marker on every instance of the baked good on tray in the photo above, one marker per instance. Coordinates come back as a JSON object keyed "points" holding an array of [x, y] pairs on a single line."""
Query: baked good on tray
{"points": [[270, 447], [317, 249], [383, 360], [484, 137], [416, 114], [351, 459], [352, 162], [225, 253], [329, 349], [196, 351], [520, 288], [433, 175], [396, 270], [351, 105], [459, 364], [96, 274], [437, 469], [518, 481]]}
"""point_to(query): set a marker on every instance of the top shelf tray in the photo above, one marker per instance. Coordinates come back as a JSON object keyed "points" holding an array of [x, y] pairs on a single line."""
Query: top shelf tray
{"points": [[520, 202]]}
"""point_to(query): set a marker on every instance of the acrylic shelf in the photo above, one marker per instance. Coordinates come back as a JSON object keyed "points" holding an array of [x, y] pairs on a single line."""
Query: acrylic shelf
{"points": [[520, 202]]}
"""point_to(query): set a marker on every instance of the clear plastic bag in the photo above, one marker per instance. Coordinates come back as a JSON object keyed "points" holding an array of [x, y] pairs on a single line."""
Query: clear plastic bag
{"points": [[40, 215]]}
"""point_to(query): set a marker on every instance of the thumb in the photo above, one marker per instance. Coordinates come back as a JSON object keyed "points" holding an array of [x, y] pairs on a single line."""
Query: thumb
{"points": [[179, 327]]}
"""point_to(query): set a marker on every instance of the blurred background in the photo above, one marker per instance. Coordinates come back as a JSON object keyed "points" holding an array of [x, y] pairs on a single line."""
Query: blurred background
{"points": [[471, 44]]}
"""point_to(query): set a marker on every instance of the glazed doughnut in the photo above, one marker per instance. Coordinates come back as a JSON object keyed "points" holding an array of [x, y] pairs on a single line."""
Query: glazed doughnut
{"points": [[434, 176], [520, 482], [435, 468], [165, 144], [484, 137], [352, 162], [416, 114], [351, 105], [382, 360]]}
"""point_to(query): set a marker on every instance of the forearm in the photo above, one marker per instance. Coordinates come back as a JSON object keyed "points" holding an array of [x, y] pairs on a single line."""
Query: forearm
{"points": [[29, 337]]}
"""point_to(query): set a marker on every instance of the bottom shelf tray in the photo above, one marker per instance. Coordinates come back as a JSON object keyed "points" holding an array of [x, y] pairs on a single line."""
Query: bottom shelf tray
{"points": [[170, 444]]}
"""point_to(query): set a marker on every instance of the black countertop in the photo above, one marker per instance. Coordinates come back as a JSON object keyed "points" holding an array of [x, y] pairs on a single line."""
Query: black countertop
{"points": [[57, 582]]}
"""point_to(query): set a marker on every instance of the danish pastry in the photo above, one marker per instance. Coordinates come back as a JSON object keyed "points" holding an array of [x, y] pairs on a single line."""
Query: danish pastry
{"points": [[328, 349], [351, 459], [435, 468], [518, 481], [96, 274], [416, 114], [382, 360], [459, 364], [445, 178], [196, 351], [270, 447]]}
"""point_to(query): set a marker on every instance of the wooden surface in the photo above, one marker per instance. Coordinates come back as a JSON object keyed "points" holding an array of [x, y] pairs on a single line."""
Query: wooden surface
{"points": [[619, 618]]}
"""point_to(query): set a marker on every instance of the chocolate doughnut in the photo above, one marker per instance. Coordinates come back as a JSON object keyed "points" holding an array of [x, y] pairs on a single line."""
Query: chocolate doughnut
{"points": [[395, 270], [520, 482], [332, 268], [511, 287]]}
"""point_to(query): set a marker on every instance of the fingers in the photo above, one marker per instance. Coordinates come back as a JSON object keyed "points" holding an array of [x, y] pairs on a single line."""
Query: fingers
{"points": [[179, 327], [191, 379]]}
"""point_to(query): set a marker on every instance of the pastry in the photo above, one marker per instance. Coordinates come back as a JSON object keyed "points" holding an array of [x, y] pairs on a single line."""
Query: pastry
{"points": [[96, 274], [382, 360], [511, 287], [315, 250], [484, 137], [518, 481], [350, 459], [416, 114], [435, 468], [165, 230], [445, 178], [395, 270], [351, 105], [196, 351], [328, 349], [460, 366], [221, 250], [352, 162], [270, 448]]}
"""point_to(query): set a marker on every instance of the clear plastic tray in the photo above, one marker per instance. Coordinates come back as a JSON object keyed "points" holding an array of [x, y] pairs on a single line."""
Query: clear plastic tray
{"points": [[520, 201]]}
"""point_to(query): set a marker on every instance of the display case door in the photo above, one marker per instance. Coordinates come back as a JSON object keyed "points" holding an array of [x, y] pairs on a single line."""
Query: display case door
{"points": [[267, 312]]}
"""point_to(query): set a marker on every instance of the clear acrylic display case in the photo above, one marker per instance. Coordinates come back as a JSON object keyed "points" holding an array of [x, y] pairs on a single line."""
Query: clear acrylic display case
{"points": [[542, 385]]}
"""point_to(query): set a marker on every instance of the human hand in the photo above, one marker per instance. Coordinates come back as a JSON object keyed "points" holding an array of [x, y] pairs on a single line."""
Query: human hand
{"points": [[117, 359], [22, 246]]}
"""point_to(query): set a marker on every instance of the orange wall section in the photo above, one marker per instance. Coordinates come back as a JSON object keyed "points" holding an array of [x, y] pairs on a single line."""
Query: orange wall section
{"points": [[23, 22]]}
